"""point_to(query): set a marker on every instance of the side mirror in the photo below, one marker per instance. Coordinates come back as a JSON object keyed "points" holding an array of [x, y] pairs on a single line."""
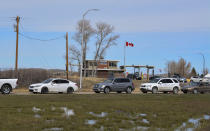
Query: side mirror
{"points": [[160, 82], [52, 83]]}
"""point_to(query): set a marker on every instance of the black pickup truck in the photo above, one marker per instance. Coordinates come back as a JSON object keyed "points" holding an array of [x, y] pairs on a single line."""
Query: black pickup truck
{"points": [[196, 87]]}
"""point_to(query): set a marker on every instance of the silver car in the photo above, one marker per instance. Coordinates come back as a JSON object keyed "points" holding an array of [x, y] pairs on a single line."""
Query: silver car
{"points": [[115, 85]]}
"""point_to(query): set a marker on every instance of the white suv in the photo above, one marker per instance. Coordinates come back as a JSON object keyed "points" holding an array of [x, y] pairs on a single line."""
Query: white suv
{"points": [[54, 85], [161, 85]]}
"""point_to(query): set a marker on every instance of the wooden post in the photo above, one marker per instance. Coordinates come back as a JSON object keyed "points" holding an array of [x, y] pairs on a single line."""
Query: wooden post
{"points": [[147, 74], [67, 62], [16, 58]]}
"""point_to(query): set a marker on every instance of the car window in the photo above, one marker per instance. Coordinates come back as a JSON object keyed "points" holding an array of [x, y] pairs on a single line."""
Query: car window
{"points": [[163, 80], [117, 80], [166, 81], [64, 81], [124, 80], [176, 81], [169, 81], [56, 81]]}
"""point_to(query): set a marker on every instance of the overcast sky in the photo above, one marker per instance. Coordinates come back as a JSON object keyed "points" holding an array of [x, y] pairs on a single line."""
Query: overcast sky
{"points": [[177, 28]]}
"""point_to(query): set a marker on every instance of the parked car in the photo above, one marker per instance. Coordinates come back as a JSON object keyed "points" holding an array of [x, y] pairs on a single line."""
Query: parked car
{"points": [[195, 79], [180, 79], [54, 85], [161, 85], [196, 87], [115, 85], [154, 77], [7, 85], [134, 76]]}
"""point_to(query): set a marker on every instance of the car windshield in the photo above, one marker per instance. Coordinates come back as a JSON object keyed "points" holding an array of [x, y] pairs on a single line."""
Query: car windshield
{"points": [[47, 81], [108, 81], [154, 80]]}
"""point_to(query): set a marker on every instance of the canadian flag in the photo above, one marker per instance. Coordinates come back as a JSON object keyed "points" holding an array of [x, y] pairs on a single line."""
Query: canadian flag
{"points": [[129, 44]]}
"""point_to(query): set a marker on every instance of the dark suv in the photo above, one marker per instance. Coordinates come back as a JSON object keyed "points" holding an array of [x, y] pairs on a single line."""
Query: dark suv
{"points": [[115, 85]]}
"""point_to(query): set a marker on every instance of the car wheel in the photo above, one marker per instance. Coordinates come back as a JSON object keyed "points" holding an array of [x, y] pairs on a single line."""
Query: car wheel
{"points": [[185, 92], [195, 91], [70, 90], [6, 89], [44, 90], [175, 90], [128, 91], [119, 91], [97, 91], [144, 92], [154, 90], [106, 90]]}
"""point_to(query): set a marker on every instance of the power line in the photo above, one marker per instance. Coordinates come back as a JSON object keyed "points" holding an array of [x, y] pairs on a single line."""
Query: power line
{"points": [[33, 38]]}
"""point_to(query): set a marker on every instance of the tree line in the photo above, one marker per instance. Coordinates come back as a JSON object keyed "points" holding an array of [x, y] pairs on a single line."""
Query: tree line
{"points": [[182, 68]]}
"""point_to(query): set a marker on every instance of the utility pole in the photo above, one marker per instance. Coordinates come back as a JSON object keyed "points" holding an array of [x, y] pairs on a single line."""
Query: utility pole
{"points": [[67, 62], [17, 33]]}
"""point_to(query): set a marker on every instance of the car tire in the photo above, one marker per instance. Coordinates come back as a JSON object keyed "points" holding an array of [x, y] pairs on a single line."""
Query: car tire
{"points": [[70, 90], [154, 90], [44, 90], [145, 92], [175, 90], [185, 92], [6, 89], [106, 90], [119, 92], [195, 91], [97, 91]]}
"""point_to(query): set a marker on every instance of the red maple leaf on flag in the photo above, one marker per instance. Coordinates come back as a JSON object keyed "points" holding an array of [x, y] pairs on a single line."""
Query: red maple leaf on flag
{"points": [[129, 44]]}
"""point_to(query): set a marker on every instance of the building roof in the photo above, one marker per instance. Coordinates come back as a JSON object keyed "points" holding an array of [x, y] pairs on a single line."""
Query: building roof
{"points": [[105, 60], [99, 69]]}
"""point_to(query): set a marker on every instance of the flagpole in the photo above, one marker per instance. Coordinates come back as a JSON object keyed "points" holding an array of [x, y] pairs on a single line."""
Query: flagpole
{"points": [[124, 59]]}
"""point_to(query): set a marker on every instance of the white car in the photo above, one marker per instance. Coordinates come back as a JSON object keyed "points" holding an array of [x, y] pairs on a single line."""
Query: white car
{"points": [[161, 85], [54, 85], [196, 79], [7, 85]]}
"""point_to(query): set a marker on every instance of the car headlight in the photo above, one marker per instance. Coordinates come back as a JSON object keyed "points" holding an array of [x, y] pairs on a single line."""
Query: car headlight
{"points": [[37, 86], [103, 86]]}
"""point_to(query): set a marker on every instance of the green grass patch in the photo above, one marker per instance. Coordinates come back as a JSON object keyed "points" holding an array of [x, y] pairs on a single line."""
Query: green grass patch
{"points": [[122, 111]]}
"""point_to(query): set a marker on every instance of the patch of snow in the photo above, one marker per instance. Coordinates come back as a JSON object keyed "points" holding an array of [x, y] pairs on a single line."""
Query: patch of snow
{"points": [[37, 116], [67, 112], [142, 114], [145, 121], [34, 109], [91, 122], [103, 114], [54, 129]]}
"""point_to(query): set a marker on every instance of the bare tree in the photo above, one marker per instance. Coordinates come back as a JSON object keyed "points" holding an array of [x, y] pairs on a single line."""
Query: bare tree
{"points": [[181, 67], [105, 39], [74, 57], [88, 32]]}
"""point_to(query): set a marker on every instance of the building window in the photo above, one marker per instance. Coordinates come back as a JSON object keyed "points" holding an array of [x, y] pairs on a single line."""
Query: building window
{"points": [[112, 64]]}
